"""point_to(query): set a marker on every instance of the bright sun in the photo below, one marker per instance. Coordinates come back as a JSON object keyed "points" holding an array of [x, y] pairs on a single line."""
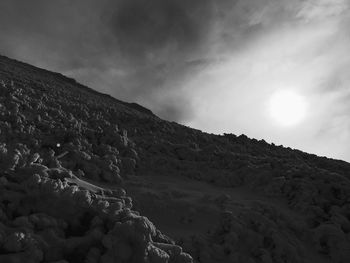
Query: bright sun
{"points": [[287, 107]]}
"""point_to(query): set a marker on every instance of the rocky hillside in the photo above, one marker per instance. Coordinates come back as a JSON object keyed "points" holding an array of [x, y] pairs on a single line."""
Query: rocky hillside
{"points": [[84, 175]]}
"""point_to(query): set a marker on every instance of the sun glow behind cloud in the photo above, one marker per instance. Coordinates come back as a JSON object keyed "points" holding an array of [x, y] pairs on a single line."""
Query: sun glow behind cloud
{"points": [[287, 108], [233, 96]]}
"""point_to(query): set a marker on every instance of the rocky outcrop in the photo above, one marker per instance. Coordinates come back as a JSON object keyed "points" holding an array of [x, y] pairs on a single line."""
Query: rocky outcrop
{"points": [[55, 147]]}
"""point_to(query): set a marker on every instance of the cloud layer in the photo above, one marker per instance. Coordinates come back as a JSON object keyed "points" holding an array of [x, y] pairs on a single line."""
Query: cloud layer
{"points": [[131, 49]]}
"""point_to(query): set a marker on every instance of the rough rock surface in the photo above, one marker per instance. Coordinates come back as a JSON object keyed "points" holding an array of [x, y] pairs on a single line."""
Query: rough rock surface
{"points": [[87, 178], [57, 140]]}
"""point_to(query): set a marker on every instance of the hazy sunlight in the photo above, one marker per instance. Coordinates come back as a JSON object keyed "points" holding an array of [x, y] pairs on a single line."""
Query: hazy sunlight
{"points": [[287, 107]]}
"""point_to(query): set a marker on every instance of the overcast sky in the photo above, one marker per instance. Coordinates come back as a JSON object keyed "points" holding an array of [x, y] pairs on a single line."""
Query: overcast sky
{"points": [[212, 65]]}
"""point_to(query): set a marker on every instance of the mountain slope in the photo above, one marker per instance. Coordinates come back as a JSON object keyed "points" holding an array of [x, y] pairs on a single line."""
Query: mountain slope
{"points": [[68, 152]]}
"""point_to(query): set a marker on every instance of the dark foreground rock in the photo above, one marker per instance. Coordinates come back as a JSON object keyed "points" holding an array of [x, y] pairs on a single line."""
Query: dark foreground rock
{"points": [[55, 142]]}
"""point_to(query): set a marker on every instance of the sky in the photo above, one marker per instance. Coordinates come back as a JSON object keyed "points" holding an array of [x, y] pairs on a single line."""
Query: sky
{"points": [[214, 65]]}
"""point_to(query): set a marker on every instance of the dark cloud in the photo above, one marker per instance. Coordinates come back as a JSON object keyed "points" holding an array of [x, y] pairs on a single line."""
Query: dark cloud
{"points": [[143, 27], [133, 47]]}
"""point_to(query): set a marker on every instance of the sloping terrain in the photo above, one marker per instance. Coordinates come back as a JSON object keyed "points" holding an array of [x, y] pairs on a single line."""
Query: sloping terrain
{"points": [[83, 176]]}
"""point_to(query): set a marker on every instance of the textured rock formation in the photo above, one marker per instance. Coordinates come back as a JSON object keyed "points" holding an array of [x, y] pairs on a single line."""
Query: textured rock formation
{"points": [[54, 147]]}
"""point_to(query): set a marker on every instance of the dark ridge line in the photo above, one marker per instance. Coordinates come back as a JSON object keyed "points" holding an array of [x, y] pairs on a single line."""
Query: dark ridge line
{"points": [[321, 161], [72, 81]]}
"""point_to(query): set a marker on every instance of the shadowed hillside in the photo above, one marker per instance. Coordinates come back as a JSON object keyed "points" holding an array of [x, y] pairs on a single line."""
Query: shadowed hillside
{"points": [[87, 178]]}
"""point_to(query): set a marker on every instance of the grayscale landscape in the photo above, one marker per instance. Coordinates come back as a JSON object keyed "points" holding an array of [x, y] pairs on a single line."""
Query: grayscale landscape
{"points": [[88, 178]]}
